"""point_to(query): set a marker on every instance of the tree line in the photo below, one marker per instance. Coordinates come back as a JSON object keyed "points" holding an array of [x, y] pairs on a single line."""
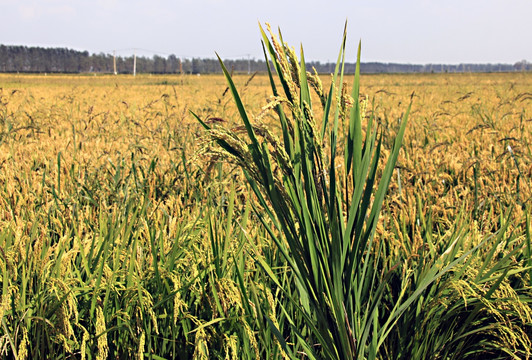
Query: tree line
{"points": [[61, 60]]}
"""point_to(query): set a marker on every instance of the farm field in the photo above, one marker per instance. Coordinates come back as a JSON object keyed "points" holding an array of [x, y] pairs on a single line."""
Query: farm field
{"points": [[125, 233]]}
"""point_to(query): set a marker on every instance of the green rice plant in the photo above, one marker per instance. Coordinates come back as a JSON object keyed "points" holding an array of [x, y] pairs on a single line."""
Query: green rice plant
{"points": [[107, 268], [320, 211], [480, 309]]}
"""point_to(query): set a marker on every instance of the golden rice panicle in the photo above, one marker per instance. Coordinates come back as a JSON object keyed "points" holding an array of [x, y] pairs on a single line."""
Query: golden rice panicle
{"points": [[242, 154], [315, 81], [84, 343], [279, 49], [286, 69], [142, 340], [272, 315], [229, 295], [180, 306], [252, 340], [346, 103], [231, 347], [4, 303], [23, 346], [201, 345], [364, 107], [294, 64], [101, 333], [272, 104], [148, 307]]}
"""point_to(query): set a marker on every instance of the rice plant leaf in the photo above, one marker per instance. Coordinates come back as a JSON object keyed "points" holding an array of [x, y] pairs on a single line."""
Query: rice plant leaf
{"points": [[303, 85], [287, 136], [386, 176], [280, 338], [241, 109], [354, 137], [207, 324], [330, 96]]}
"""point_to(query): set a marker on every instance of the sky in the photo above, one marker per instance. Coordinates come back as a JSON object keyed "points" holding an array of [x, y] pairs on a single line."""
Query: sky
{"points": [[401, 31]]}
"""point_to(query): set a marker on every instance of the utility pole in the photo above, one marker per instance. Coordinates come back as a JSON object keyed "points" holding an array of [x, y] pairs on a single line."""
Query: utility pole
{"points": [[249, 64], [114, 61]]}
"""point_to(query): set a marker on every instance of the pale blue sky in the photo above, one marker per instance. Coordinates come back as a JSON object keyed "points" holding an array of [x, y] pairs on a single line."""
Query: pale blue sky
{"points": [[410, 31]]}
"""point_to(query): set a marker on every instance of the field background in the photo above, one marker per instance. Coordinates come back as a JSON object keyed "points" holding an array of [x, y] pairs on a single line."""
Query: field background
{"points": [[459, 122], [121, 237]]}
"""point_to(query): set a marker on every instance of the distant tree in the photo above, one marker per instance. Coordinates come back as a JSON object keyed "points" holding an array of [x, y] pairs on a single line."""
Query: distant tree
{"points": [[196, 66], [37, 59], [522, 65], [159, 64], [172, 64]]}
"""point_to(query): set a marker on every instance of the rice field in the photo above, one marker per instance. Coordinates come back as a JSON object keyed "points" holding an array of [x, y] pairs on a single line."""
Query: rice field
{"points": [[129, 230]]}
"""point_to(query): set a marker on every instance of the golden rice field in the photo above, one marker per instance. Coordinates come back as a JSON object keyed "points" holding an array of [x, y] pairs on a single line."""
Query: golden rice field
{"points": [[121, 236]]}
